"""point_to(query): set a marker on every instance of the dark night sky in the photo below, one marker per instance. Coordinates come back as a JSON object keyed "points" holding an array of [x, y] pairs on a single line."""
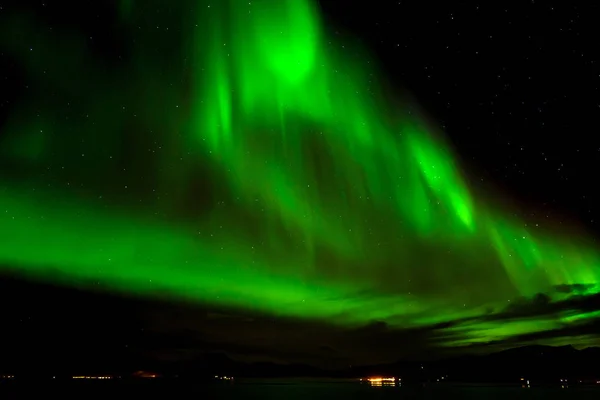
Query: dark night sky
{"points": [[515, 87]]}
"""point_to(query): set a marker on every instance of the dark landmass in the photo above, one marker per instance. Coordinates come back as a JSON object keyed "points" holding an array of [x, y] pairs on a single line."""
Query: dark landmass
{"points": [[536, 364]]}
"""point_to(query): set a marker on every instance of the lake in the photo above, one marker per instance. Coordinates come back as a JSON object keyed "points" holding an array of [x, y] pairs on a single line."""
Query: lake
{"points": [[280, 390]]}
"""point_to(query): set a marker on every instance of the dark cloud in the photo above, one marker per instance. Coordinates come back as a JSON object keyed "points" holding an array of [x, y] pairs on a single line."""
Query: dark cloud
{"points": [[575, 317], [58, 322], [578, 288], [540, 305], [260, 337]]}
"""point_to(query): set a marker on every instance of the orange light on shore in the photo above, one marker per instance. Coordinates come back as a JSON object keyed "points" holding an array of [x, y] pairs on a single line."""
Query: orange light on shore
{"points": [[379, 379]]}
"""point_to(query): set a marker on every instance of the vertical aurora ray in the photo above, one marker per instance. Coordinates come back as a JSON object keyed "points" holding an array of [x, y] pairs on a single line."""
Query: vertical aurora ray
{"points": [[274, 177]]}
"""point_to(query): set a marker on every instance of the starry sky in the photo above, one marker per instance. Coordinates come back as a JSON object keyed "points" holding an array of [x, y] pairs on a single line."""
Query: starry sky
{"points": [[323, 182]]}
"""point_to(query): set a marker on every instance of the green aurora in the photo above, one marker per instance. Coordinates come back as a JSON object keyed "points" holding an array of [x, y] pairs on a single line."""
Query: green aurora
{"points": [[238, 156]]}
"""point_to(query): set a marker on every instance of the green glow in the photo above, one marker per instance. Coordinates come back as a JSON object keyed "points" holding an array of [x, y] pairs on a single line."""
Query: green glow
{"points": [[257, 166]]}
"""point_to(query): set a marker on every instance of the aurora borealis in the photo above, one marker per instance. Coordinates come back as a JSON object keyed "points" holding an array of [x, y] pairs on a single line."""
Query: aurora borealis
{"points": [[247, 159]]}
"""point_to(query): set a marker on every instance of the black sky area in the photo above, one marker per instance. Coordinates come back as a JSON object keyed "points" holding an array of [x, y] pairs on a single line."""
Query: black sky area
{"points": [[515, 86]]}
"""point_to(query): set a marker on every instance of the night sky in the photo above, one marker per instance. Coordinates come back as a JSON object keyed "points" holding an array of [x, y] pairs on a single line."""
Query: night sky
{"points": [[330, 182]]}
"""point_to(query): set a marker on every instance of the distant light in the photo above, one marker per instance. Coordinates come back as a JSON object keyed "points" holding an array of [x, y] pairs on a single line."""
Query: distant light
{"points": [[378, 379]]}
